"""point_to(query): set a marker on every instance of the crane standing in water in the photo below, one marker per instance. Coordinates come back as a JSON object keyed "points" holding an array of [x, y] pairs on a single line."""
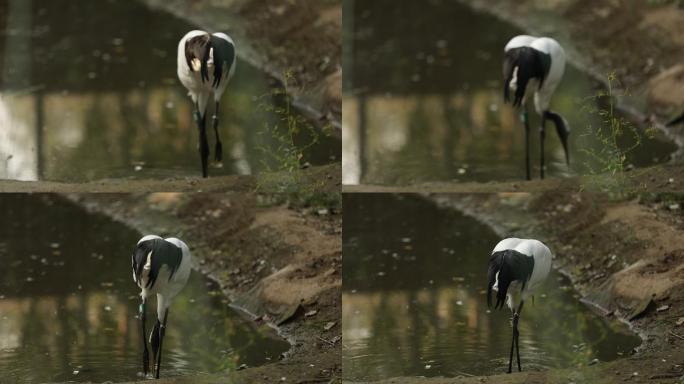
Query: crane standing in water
{"points": [[517, 267], [160, 267], [535, 66], [206, 63]]}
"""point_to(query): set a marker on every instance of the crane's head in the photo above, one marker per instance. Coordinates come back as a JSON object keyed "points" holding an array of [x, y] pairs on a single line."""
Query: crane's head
{"points": [[139, 259], [197, 54], [504, 268], [141, 256]]}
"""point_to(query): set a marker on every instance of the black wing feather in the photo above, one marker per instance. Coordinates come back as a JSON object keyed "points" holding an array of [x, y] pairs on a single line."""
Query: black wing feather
{"points": [[224, 55]]}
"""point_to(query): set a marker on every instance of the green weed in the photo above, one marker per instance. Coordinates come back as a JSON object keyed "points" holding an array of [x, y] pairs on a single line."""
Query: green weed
{"points": [[607, 162]]}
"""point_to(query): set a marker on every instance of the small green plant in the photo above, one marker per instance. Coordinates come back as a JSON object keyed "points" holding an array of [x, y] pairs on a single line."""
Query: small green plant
{"points": [[288, 137], [616, 136]]}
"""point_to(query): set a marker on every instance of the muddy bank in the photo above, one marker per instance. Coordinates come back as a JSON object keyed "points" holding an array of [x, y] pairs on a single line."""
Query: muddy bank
{"points": [[301, 38], [321, 179], [641, 41], [624, 257], [279, 262], [657, 179]]}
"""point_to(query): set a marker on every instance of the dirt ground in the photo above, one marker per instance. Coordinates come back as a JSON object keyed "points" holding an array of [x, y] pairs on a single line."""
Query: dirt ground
{"points": [[302, 37], [278, 261], [658, 179], [321, 179]]}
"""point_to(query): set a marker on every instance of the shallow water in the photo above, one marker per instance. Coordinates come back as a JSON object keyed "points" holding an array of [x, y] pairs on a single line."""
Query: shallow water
{"points": [[423, 101], [88, 90], [69, 307], [414, 300]]}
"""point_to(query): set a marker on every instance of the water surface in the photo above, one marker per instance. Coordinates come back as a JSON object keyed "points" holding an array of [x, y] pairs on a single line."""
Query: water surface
{"points": [[69, 307], [414, 300], [423, 100], [88, 90]]}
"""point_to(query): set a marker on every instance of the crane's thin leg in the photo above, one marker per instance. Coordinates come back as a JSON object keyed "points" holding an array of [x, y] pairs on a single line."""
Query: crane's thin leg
{"points": [[527, 143], [162, 331], [218, 152], [203, 143], [510, 357], [155, 343], [517, 335], [542, 136], [146, 353]]}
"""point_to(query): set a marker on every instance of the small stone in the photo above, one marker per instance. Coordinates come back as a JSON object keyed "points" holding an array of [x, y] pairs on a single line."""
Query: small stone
{"points": [[594, 361], [663, 308], [311, 313], [75, 372], [428, 366], [328, 326], [680, 321]]}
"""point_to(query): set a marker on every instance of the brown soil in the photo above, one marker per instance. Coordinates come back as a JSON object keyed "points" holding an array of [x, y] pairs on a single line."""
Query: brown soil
{"points": [[322, 179], [279, 263], [664, 178], [625, 257]]}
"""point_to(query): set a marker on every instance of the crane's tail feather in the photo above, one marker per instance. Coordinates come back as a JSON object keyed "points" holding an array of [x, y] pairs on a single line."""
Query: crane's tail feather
{"points": [[563, 130]]}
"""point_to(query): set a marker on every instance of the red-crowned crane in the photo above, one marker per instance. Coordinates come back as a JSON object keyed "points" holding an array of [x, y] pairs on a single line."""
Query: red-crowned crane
{"points": [[516, 268], [206, 63], [535, 65], [160, 267]]}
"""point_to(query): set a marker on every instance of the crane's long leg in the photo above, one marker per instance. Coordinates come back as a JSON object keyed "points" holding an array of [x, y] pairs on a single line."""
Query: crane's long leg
{"points": [[514, 340], [146, 353], [542, 136], [517, 334], [203, 143], [218, 152], [155, 343], [162, 331], [527, 143], [510, 356]]}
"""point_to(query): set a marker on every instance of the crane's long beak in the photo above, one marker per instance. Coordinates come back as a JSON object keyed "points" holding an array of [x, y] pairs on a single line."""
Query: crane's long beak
{"points": [[563, 131]]}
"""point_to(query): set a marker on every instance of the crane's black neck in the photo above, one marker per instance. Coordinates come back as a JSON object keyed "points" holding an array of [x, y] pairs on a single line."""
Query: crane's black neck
{"points": [[504, 268], [525, 63]]}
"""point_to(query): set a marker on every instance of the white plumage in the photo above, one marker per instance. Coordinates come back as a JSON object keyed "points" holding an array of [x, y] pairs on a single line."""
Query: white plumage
{"points": [[542, 257], [535, 66], [205, 64], [202, 91], [166, 289], [517, 267], [161, 267]]}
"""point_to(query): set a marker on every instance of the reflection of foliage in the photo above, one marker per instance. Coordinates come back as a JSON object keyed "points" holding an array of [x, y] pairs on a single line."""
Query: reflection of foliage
{"points": [[612, 131]]}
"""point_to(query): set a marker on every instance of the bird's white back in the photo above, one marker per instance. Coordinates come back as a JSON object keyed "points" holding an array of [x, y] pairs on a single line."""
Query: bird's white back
{"points": [[551, 47], [519, 41], [542, 262]]}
